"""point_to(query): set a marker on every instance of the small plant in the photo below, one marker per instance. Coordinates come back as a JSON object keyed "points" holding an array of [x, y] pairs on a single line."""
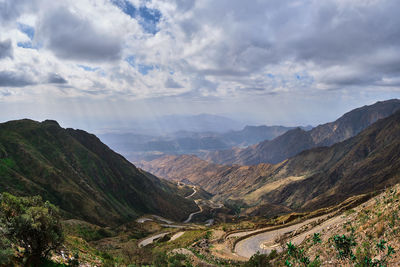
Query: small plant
{"points": [[207, 235], [381, 245], [305, 260], [390, 251], [297, 255], [288, 263], [292, 249], [317, 238], [344, 245], [367, 261]]}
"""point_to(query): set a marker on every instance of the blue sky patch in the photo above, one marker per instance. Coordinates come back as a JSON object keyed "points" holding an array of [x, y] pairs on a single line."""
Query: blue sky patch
{"points": [[130, 60], [144, 69], [26, 45], [28, 30], [148, 18], [87, 68], [126, 7]]}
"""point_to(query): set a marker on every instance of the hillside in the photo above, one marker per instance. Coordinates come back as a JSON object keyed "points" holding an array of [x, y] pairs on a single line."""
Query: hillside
{"points": [[297, 140], [77, 172], [212, 177], [367, 162]]}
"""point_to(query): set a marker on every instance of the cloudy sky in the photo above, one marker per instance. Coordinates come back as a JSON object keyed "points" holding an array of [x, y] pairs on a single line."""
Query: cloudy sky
{"points": [[272, 61]]}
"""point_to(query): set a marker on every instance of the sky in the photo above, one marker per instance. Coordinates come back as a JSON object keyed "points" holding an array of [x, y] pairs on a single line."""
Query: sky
{"points": [[86, 63]]}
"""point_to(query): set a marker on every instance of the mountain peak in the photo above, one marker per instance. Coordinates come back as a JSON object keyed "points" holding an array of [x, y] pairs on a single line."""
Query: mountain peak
{"points": [[51, 122]]}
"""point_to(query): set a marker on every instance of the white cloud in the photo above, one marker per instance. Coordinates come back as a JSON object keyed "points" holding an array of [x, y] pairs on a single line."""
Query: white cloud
{"points": [[226, 49]]}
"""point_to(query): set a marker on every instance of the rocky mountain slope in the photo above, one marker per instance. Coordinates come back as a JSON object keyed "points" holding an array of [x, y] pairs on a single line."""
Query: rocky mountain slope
{"points": [[297, 140], [365, 163], [314, 178], [77, 172]]}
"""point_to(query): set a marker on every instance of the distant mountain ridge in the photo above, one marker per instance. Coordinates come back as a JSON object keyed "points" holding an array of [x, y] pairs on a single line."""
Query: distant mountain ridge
{"points": [[315, 178], [294, 141], [74, 170], [137, 147]]}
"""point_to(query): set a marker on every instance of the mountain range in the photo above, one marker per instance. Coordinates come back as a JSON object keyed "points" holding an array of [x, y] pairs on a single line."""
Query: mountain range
{"points": [[137, 147], [101, 195], [76, 171], [314, 178], [294, 141]]}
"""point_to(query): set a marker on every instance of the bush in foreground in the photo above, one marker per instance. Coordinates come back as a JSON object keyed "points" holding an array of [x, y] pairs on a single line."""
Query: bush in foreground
{"points": [[32, 224]]}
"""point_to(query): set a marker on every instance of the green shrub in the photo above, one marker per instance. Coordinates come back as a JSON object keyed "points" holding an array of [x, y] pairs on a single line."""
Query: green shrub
{"points": [[344, 245], [6, 251], [160, 259], [258, 260], [31, 224], [178, 260], [296, 256], [317, 238]]}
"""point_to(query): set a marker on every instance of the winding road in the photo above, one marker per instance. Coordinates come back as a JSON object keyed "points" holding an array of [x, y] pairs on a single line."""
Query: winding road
{"points": [[151, 239], [194, 213], [194, 192], [176, 236], [196, 201], [265, 242]]}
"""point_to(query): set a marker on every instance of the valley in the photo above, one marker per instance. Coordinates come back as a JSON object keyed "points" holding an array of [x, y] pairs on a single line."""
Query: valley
{"points": [[186, 209], [314, 178]]}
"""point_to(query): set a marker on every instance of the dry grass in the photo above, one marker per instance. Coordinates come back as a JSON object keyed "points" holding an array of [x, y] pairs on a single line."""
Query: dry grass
{"points": [[255, 195]]}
